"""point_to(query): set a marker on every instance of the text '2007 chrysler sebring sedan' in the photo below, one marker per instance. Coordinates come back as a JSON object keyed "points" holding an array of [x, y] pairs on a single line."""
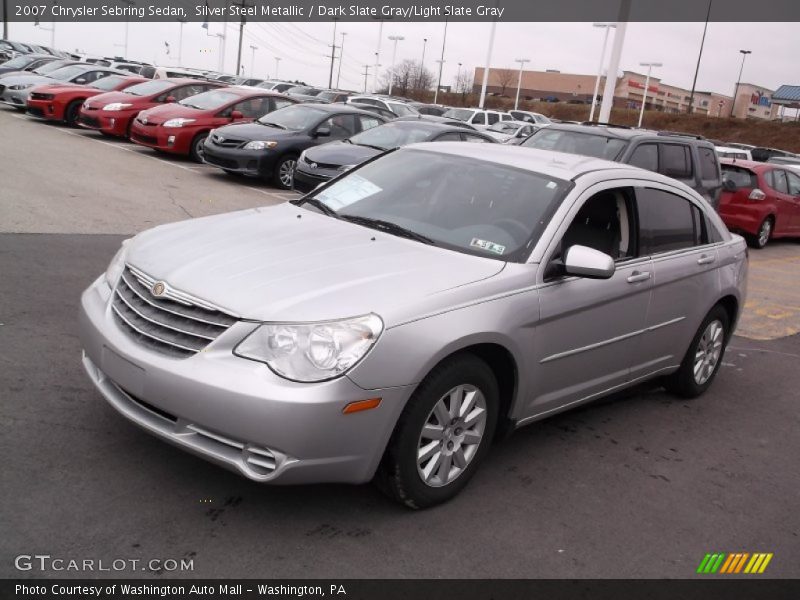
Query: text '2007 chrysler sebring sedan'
{"points": [[392, 322]]}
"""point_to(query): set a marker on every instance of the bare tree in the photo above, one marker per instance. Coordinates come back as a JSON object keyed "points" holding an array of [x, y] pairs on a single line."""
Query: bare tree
{"points": [[504, 78], [406, 76], [464, 83]]}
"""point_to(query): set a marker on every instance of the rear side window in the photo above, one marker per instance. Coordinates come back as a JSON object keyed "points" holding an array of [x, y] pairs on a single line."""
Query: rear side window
{"points": [[708, 163], [479, 119], [676, 161], [778, 181], [743, 178], [794, 184], [493, 118], [645, 156], [668, 222]]}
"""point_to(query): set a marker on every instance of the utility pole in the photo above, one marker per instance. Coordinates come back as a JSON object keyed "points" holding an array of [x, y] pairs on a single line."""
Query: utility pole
{"points": [[521, 62], [5, 19], [699, 56], [395, 39], [422, 63], [649, 66], [333, 55], [341, 58], [613, 64], [377, 58], [180, 42], [366, 74], [242, 22], [129, 3], [252, 58], [607, 27], [738, 81], [277, 64], [441, 64]]}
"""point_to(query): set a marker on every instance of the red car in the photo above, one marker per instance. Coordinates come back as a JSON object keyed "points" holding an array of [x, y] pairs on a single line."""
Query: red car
{"points": [[760, 200], [182, 128], [113, 112], [62, 101]]}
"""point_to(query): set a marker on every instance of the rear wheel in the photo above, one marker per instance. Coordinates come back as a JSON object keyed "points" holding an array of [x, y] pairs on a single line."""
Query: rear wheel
{"points": [[764, 234], [284, 172], [703, 358], [72, 113], [442, 435], [196, 149]]}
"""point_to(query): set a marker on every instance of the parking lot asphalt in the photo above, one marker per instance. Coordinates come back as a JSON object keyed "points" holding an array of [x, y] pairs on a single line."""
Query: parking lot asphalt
{"points": [[640, 485]]}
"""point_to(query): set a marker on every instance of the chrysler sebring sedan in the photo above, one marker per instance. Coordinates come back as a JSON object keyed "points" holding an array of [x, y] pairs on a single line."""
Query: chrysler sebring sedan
{"points": [[393, 322]]}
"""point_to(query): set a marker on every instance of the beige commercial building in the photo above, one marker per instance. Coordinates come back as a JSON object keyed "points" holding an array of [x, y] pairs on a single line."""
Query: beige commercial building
{"points": [[752, 101]]}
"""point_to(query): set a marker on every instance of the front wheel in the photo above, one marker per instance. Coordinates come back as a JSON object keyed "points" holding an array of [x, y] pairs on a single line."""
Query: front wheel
{"points": [[196, 149], [442, 435], [72, 113], [764, 233], [284, 172], [703, 358]]}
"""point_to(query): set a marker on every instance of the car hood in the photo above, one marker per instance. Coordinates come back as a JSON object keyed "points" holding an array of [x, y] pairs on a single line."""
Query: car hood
{"points": [[101, 100], [54, 88], [498, 135], [255, 131], [287, 263], [25, 78], [340, 153], [164, 112]]}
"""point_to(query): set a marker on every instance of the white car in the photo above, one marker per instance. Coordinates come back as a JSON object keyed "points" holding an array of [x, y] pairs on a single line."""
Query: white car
{"points": [[510, 132], [478, 117], [731, 152], [530, 117], [398, 107]]}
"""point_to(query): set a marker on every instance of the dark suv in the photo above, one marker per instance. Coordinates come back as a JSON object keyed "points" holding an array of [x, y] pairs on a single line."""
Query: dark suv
{"points": [[688, 158]]}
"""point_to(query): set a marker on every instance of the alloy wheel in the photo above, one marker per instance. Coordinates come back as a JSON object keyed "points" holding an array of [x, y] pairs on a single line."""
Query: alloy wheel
{"points": [[286, 172], [764, 232], [708, 352], [451, 435]]}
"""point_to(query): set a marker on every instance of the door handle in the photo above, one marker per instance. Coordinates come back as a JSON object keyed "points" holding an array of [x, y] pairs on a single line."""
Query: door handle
{"points": [[706, 259], [638, 276]]}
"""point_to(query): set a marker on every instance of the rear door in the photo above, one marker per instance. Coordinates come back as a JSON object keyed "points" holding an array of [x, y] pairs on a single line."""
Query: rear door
{"points": [[785, 205], [793, 179]]}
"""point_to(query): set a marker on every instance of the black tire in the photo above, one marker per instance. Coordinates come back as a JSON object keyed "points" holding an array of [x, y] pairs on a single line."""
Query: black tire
{"points": [[764, 234], [196, 149], [72, 112], [683, 382], [279, 175], [399, 474]]}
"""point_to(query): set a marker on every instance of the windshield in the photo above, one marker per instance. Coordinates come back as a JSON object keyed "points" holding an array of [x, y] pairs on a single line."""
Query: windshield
{"points": [[502, 127], [294, 118], [108, 83], [331, 96], [299, 89], [464, 204], [461, 114], [19, 62], [393, 135], [50, 67], [67, 73], [575, 142], [402, 110], [209, 100], [149, 88]]}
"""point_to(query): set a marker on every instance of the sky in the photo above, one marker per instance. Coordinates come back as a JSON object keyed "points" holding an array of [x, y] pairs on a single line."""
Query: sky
{"points": [[304, 48]]}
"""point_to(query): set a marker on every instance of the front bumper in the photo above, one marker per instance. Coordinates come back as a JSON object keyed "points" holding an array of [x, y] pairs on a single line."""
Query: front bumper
{"points": [[15, 98], [234, 411], [110, 122], [45, 109], [176, 140], [256, 163], [306, 181]]}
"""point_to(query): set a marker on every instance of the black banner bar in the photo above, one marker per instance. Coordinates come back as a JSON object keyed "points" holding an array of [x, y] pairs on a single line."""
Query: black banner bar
{"points": [[401, 10]]}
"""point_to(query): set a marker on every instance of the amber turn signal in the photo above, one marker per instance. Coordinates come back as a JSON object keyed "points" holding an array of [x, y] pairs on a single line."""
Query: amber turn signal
{"points": [[360, 405]]}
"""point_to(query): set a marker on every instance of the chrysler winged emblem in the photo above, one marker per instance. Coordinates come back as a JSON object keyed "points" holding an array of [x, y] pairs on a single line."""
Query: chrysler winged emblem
{"points": [[158, 289]]}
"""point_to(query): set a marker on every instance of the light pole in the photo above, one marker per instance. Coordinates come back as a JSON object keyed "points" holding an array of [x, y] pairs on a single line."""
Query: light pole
{"points": [[277, 64], [341, 58], [422, 63], [333, 54], [221, 37], [488, 62], [699, 56], [649, 66], [521, 62], [252, 58], [613, 61], [441, 64], [738, 81], [180, 42], [607, 27], [51, 29], [395, 39], [129, 3], [377, 58]]}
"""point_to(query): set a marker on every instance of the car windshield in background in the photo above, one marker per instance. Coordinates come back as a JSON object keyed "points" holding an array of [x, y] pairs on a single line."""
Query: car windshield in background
{"points": [[67, 73], [574, 142], [299, 89], [462, 114], [294, 118], [392, 135], [463, 204], [504, 127], [149, 87], [402, 110], [329, 96], [49, 67], [108, 83], [209, 100], [19, 62]]}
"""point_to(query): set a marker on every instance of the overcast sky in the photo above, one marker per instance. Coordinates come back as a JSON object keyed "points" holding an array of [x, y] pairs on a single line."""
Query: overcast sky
{"points": [[304, 48]]}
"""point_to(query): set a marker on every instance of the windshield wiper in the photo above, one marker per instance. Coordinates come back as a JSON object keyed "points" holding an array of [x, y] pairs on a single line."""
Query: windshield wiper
{"points": [[271, 124], [378, 148], [387, 227], [316, 203]]}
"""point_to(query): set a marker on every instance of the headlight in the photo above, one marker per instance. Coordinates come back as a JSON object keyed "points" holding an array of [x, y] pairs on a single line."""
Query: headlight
{"points": [[20, 86], [312, 351], [260, 145], [116, 266], [117, 106], [178, 122]]}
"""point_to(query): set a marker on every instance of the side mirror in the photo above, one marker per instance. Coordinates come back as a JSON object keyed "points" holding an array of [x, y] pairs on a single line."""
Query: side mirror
{"points": [[583, 261], [323, 132], [237, 114], [729, 186], [170, 100]]}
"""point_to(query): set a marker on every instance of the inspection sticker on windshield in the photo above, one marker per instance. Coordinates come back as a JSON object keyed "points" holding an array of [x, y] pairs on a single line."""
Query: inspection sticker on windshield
{"points": [[488, 246], [350, 189]]}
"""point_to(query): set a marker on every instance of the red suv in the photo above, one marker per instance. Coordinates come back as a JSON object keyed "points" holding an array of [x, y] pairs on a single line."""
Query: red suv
{"points": [[182, 128], [113, 112], [760, 200], [62, 101]]}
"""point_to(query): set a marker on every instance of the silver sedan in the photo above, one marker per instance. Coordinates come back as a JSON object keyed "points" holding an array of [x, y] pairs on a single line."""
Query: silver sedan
{"points": [[391, 323]]}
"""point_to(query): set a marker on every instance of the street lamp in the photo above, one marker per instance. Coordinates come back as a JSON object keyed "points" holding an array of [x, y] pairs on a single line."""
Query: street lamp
{"points": [[441, 62], [422, 63], [395, 39], [738, 81], [252, 58], [607, 27], [521, 62], [277, 64], [341, 58], [649, 66], [129, 3]]}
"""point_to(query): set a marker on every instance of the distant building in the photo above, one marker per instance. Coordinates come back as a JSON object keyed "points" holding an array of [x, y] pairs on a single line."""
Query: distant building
{"points": [[754, 102]]}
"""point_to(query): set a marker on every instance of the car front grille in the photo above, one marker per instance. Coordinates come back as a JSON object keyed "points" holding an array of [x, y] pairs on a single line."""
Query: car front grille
{"points": [[35, 112], [218, 161], [225, 142], [90, 121], [171, 324], [145, 139]]}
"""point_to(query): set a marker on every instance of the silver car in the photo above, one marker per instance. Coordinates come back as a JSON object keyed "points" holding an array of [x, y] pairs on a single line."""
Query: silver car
{"points": [[391, 323]]}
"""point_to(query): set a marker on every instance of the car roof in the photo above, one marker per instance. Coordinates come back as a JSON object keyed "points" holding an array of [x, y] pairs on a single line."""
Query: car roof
{"points": [[187, 81], [425, 124], [337, 107], [748, 164], [623, 132], [731, 149]]}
